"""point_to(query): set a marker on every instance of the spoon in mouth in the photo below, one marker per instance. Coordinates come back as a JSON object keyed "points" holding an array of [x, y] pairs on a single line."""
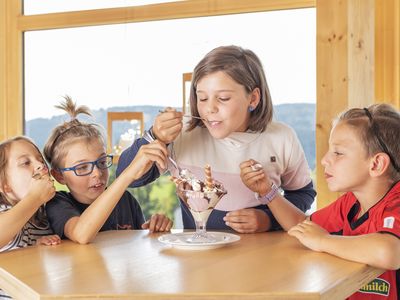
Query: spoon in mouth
{"points": [[194, 117], [187, 116]]}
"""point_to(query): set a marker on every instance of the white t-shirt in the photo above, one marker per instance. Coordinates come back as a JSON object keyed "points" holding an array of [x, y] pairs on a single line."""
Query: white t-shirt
{"points": [[277, 149]]}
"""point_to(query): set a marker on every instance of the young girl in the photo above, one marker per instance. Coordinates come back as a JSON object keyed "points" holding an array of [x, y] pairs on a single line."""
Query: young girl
{"points": [[25, 186], [77, 154], [363, 225], [230, 93]]}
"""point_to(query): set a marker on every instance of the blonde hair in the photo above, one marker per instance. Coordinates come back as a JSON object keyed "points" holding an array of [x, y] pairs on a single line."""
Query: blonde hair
{"points": [[63, 135], [378, 127]]}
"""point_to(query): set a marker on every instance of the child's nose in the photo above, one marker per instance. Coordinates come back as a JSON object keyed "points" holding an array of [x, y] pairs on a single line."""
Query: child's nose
{"points": [[41, 167], [211, 106], [96, 171], [324, 159]]}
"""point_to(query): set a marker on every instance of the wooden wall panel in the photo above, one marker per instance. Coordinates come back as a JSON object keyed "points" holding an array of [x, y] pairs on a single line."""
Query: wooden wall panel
{"points": [[11, 102], [3, 73], [345, 70], [360, 56], [387, 52], [332, 81]]}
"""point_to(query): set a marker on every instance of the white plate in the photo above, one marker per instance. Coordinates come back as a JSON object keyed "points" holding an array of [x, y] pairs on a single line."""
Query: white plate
{"points": [[179, 240]]}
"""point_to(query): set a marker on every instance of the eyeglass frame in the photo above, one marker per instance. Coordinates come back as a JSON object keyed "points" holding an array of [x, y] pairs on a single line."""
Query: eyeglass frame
{"points": [[375, 131], [93, 163]]}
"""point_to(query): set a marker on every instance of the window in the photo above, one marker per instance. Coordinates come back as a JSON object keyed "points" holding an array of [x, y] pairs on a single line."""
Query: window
{"points": [[143, 63], [139, 66]]}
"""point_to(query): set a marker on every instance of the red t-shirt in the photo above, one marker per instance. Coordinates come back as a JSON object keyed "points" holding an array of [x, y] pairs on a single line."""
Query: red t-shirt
{"points": [[340, 218]]}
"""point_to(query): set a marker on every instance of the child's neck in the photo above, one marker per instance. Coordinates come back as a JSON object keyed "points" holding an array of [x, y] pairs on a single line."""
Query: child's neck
{"points": [[372, 192]]}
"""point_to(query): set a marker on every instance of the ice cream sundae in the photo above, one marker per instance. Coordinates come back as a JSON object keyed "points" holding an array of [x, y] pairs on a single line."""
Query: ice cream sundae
{"points": [[200, 197], [204, 194]]}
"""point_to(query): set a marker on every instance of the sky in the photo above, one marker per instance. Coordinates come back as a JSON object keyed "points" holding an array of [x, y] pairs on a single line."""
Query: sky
{"points": [[142, 63]]}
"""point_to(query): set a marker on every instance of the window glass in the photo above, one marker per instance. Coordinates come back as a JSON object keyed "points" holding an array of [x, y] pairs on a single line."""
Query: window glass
{"points": [[139, 67], [143, 63]]}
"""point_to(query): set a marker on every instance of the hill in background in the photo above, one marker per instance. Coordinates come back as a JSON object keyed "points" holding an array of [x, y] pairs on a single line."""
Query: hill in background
{"points": [[300, 116]]}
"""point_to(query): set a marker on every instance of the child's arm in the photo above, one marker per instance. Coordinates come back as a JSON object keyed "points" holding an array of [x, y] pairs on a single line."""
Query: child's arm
{"points": [[40, 191], [84, 228], [158, 223], [256, 180], [376, 249], [166, 128]]}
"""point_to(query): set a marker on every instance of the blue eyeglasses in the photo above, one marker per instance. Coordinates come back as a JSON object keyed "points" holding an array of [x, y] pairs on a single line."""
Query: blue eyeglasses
{"points": [[86, 168]]}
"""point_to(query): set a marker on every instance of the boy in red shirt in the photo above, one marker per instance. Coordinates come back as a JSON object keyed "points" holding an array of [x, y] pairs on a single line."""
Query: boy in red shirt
{"points": [[363, 225]]}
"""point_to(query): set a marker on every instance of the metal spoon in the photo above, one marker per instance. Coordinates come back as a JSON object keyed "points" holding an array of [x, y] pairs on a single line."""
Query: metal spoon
{"points": [[147, 136], [187, 116], [194, 117]]}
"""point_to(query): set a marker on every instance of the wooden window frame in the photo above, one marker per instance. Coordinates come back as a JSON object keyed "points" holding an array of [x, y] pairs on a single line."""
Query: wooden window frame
{"points": [[113, 116]]}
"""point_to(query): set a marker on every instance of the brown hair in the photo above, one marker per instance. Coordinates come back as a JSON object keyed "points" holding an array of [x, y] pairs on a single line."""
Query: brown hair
{"points": [[244, 67], [4, 151], [67, 133], [39, 217], [378, 127]]}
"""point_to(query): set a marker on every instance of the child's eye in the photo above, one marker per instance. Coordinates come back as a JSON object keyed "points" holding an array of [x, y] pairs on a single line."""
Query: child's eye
{"points": [[102, 163], [202, 99], [25, 163], [83, 167], [337, 153], [224, 98]]}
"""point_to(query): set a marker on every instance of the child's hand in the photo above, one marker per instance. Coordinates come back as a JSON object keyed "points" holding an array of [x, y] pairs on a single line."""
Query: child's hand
{"points": [[158, 222], [309, 234], [253, 176], [248, 220], [155, 152], [49, 240], [168, 125], [41, 188]]}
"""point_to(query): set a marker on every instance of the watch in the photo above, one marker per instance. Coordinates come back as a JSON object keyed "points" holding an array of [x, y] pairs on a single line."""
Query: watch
{"points": [[268, 197]]}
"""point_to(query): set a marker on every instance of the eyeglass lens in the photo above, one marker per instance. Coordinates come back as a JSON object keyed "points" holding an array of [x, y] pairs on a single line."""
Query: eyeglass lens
{"points": [[87, 168]]}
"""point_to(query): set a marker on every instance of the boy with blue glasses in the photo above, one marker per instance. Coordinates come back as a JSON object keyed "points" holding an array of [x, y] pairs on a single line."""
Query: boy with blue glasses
{"points": [[76, 152]]}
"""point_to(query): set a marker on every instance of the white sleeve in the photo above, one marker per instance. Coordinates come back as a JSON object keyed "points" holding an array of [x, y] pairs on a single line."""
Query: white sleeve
{"points": [[297, 172]]}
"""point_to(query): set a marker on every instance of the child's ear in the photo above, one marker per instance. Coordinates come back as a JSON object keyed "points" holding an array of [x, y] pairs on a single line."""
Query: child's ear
{"points": [[379, 164], [57, 176], [255, 98]]}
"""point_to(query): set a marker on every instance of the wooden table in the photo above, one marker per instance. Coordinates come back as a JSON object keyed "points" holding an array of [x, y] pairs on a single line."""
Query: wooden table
{"points": [[135, 265]]}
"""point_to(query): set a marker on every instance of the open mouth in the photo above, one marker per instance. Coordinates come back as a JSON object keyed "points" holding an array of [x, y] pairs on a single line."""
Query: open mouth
{"points": [[97, 186], [214, 123]]}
